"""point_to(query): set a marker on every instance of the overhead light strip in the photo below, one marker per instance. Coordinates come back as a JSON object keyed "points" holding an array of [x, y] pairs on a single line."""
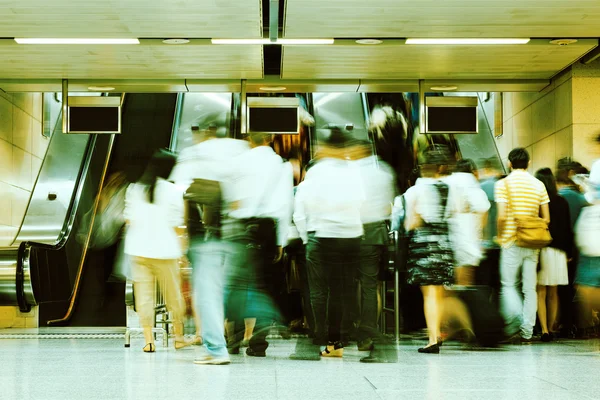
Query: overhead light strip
{"points": [[470, 41], [75, 41], [289, 42]]}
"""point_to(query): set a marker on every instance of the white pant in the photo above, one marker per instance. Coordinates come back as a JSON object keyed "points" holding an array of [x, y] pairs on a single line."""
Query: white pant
{"points": [[518, 265]]}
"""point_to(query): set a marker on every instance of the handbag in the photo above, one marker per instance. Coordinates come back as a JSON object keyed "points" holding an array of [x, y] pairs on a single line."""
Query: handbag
{"points": [[532, 232], [204, 205]]}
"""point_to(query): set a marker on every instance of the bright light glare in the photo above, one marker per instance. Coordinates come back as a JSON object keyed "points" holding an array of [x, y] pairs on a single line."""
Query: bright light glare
{"points": [[475, 41], [75, 41]]}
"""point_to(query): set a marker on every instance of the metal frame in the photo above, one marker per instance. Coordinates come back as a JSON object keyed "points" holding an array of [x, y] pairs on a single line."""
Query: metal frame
{"points": [[395, 310], [451, 102], [93, 101], [274, 102]]}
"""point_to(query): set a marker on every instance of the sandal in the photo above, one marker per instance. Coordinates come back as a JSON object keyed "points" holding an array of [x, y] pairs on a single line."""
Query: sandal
{"points": [[180, 344], [149, 348], [197, 341], [333, 350]]}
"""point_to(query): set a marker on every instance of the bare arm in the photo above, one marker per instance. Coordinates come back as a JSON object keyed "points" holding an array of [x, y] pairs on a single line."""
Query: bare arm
{"points": [[502, 216], [545, 211]]}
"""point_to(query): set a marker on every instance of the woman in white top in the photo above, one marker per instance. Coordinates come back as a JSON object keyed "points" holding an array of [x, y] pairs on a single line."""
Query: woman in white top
{"points": [[468, 215], [153, 212]]}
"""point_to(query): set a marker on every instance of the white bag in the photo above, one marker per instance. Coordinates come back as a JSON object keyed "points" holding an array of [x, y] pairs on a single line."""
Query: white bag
{"points": [[587, 231], [465, 236]]}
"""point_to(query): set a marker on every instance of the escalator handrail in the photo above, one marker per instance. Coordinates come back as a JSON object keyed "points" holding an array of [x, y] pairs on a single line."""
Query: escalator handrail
{"points": [[77, 285], [23, 261]]}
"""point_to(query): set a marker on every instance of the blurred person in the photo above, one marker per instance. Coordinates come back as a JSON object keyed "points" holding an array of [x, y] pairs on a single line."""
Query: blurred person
{"points": [[431, 259], [553, 259], [489, 271], [378, 182], [567, 189], [519, 195], [327, 214], [254, 229], [210, 159], [468, 215], [587, 236], [153, 212]]}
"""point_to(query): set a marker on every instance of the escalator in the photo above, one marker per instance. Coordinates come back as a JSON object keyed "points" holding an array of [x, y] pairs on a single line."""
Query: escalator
{"points": [[57, 272]]}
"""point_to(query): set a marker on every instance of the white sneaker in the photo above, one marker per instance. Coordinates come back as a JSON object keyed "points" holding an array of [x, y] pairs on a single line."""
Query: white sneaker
{"points": [[210, 360]]}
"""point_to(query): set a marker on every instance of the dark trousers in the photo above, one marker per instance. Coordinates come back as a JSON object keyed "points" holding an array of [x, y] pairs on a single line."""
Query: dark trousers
{"points": [[488, 273], [296, 250], [332, 267], [247, 295], [368, 271]]}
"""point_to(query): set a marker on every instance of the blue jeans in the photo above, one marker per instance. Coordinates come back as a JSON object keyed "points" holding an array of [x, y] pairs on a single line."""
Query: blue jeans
{"points": [[207, 259], [518, 266]]}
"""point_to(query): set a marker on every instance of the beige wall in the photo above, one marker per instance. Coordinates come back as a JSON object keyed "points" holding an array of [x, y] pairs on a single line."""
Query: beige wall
{"points": [[22, 148], [540, 122], [586, 112], [562, 120]]}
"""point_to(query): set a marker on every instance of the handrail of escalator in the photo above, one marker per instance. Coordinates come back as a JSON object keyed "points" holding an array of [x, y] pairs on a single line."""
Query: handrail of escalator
{"points": [[25, 297]]}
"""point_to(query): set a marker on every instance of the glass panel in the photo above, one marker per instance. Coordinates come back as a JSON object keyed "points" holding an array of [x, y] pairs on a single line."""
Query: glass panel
{"points": [[200, 109]]}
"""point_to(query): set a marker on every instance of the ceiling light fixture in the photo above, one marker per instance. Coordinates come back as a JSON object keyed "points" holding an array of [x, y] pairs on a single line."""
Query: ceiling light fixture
{"points": [[101, 88], [563, 42], [369, 41], [443, 88], [290, 42], [176, 41], [272, 88], [472, 41], [75, 41]]}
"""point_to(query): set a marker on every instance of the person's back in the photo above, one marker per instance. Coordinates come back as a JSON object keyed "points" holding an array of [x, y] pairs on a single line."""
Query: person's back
{"points": [[517, 196], [332, 199], [151, 226], [524, 195]]}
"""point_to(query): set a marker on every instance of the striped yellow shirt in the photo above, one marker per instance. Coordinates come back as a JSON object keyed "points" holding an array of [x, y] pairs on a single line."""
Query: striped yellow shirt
{"points": [[527, 195]]}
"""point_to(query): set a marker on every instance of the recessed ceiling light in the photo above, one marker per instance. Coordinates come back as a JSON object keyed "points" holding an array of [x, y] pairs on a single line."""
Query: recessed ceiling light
{"points": [[272, 88], [279, 41], [176, 41], [369, 41], [471, 41], [563, 42], [448, 88], [75, 41], [101, 88]]}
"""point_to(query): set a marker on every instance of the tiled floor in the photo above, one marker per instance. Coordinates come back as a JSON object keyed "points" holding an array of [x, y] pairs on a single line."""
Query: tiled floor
{"points": [[93, 369]]}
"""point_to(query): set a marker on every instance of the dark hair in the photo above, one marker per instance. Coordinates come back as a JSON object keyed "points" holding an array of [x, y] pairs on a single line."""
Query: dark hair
{"points": [[160, 166], [562, 177], [519, 158], [545, 175], [465, 165]]}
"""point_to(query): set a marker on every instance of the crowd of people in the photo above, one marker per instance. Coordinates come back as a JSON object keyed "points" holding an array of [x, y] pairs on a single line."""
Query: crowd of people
{"points": [[488, 251]]}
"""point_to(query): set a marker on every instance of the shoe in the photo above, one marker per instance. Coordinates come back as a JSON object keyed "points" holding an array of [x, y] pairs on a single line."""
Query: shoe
{"points": [[365, 345], [304, 357], [245, 343], [374, 360], [149, 348], [432, 349], [180, 344], [253, 353], [546, 338], [233, 350], [333, 350], [210, 360], [197, 341], [526, 341]]}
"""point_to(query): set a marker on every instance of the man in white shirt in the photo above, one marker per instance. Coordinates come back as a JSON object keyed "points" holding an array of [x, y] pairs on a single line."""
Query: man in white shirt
{"points": [[327, 214], [378, 180], [255, 228], [209, 159]]}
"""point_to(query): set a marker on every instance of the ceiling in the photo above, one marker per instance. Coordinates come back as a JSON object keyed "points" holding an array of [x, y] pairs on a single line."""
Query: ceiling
{"points": [[344, 66], [442, 18]]}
